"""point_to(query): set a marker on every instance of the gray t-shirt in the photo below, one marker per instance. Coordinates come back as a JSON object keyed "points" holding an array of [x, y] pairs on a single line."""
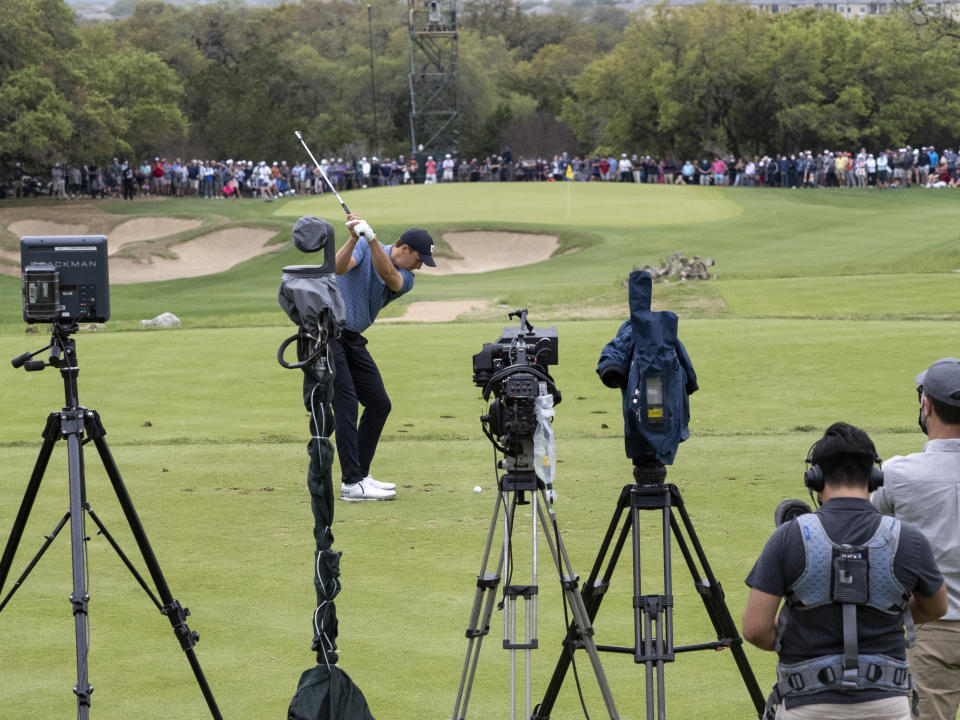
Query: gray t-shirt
{"points": [[816, 632]]}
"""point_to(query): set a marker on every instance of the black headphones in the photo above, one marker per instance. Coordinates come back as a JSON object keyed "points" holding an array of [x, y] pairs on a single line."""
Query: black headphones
{"points": [[814, 480]]}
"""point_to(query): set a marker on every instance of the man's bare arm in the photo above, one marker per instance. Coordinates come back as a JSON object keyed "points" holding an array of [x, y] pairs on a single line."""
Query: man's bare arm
{"points": [[345, 259], [760, 619], [925, 609]]}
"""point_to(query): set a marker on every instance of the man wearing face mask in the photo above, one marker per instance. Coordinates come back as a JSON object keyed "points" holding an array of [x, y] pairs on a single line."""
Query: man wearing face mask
{"points": [[924, 489]]}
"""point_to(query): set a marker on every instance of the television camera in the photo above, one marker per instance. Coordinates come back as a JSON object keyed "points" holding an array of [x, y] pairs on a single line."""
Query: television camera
{"points": [[650, 366], [514, 369]]}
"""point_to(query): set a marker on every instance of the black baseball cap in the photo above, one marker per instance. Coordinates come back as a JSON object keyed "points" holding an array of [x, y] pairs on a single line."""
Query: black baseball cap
{"points": [[419, 240], [942, 381]]}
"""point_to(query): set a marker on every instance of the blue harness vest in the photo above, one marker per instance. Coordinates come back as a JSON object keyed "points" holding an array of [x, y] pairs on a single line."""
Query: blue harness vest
{"points": [[851, 575]]}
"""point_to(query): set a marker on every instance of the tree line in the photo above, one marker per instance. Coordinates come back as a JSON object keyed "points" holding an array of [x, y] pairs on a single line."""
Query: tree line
{"points": [[230, 80]]}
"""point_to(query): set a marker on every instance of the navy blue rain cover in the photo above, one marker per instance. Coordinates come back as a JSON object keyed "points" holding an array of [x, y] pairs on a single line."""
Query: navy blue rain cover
{"points": [[647, 344]]}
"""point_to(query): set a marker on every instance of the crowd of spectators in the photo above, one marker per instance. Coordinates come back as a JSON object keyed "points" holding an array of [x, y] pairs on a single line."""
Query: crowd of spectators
{"points": [[216, 179], [901, 167]]}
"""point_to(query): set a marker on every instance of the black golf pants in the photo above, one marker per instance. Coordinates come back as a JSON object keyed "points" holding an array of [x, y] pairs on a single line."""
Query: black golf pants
{"points": [[357, 382]]}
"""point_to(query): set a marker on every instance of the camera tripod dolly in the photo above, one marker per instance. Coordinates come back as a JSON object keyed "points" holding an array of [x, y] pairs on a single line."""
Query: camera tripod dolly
{"points": [[653, 614], [511, 491], [71, 423]]}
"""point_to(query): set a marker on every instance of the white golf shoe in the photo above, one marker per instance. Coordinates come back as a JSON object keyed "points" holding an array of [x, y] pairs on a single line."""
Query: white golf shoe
{"points": [[364, 490], [379, 485]]}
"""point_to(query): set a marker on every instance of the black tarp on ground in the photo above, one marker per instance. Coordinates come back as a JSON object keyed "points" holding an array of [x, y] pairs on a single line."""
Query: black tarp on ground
{"points": [[327, 694]]}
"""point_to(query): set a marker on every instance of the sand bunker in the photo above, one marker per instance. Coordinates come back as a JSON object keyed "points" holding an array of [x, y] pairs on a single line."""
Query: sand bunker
{"points": [[205, 255], [22, 228], [483, 251], [437, 311], [480, 251], [147, 229]]}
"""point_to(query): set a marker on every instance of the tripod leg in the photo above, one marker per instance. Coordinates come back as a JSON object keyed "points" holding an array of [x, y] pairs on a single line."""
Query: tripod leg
{"points": [[480, 615], [581, 622], [51, 434], [664, 638], [592, 595], [72, 428], [714, 601], [176, 613], [513, 591], [531, 596], [653, 618]]}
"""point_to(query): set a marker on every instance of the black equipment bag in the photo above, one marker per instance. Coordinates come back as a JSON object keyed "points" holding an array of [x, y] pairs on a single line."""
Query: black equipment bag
{"points": [[328, 694]]}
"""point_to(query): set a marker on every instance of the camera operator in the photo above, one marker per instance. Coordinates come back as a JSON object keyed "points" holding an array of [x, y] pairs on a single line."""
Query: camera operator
{"points": [[922, 488], [841, 643], [370, 275]]}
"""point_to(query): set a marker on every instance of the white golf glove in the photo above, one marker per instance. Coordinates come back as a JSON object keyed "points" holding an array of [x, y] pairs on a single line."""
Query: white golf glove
{"points": [[362, 228]]}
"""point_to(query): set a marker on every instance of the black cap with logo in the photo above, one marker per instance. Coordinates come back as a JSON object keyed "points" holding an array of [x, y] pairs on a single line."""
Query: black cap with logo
{"points": [[419, 240]]}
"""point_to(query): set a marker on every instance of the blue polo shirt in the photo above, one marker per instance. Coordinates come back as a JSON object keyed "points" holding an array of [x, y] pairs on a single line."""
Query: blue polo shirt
{"points": [[364, 291]]}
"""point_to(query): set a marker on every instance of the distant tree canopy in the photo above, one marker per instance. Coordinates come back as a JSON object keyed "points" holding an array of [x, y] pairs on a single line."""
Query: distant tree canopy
{"points": [[231, 80], [718, 77]]}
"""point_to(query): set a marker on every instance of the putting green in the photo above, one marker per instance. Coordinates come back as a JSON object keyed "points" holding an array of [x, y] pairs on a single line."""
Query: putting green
{"points": [[580, 204]]}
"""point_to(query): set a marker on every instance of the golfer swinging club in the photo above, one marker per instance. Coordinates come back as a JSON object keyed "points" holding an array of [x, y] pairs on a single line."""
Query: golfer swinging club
{"points": [[369, 275]]}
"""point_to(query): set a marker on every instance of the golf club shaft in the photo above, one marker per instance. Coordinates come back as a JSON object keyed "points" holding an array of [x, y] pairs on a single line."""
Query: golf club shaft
{"points": [[329, 184]]}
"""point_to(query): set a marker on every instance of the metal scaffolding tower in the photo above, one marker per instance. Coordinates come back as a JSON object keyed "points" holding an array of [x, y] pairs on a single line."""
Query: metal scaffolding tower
{"points": [[433, 76]]}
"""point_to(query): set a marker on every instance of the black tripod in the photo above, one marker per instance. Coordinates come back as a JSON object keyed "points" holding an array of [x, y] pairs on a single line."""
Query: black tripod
{"points": [[653, 614], [71, 423]]}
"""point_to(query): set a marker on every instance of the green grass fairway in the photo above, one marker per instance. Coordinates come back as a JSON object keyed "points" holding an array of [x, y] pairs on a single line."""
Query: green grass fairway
{"points": [[825, 306], [576, 204], [908, 295]]}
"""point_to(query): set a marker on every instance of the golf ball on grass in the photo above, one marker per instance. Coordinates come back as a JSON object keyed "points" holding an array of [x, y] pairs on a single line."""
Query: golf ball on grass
{"points": [[477, 489]]}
